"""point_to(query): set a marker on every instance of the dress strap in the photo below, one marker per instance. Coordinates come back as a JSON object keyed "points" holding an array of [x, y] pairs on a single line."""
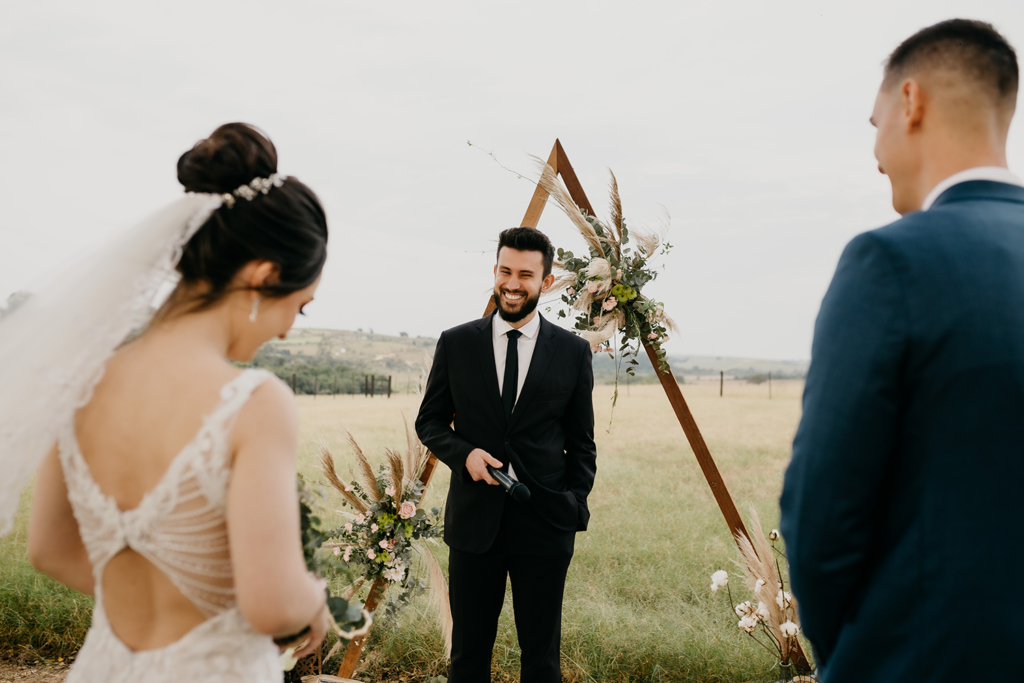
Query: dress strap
{"points": [[236, 393]]}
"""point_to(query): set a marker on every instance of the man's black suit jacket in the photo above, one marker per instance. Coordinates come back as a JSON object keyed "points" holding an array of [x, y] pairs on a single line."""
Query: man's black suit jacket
{"points": [[549, 439]]}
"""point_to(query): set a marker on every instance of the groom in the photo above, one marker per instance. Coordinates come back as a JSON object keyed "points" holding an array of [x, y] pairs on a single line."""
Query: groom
{"points": [[519, 390], [903, 499]]}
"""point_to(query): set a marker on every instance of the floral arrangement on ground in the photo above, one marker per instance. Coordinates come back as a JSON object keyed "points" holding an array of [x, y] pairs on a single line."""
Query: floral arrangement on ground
{"points": [[774, 623], [386, 526]]}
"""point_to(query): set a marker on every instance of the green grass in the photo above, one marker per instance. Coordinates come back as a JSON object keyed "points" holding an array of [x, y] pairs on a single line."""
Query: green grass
{"points": [[637, 604], [39, 618]]}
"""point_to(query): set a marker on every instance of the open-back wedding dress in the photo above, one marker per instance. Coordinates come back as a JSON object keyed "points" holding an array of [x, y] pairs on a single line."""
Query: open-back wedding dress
{"points": [[180, 527]]}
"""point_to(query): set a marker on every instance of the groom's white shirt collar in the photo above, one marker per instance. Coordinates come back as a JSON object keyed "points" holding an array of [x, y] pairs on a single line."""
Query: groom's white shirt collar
{"points": [[995, 173], [529, 330]]}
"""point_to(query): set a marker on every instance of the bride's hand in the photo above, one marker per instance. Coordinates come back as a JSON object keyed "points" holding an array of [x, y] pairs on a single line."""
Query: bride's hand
{"points": [[317, 631]]}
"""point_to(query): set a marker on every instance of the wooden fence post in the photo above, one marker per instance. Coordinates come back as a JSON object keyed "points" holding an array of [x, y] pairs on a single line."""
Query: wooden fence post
{"points": [[721, 383], [769, 385], [373, 388], [293, 383], [389, 386]]}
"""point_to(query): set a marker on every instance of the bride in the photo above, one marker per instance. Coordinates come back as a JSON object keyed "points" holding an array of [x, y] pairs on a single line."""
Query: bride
{"points": [[166, 487]]}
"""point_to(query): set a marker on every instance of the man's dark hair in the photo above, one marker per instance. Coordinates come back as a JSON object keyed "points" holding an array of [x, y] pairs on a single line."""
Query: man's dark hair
{"points": [[528, 239], [974, 48]]}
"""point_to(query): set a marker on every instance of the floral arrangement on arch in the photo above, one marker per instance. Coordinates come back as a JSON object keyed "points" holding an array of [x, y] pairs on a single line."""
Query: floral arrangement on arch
{"points": [[773, 622], [386, 525], [605, 287]]}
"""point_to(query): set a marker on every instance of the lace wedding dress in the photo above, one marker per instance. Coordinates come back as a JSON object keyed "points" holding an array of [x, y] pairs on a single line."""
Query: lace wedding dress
{"points": [[180, 527]]}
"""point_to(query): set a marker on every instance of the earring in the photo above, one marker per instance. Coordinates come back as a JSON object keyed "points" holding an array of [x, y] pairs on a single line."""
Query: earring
{"points": [[255, 310]]}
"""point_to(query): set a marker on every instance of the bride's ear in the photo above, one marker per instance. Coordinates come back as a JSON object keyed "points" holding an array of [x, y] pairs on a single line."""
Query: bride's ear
{"points": [[257, 274]]}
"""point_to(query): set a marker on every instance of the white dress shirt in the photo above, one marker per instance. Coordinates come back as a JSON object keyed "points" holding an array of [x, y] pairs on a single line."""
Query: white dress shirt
{"points": [[524, 347], [994, 173]]}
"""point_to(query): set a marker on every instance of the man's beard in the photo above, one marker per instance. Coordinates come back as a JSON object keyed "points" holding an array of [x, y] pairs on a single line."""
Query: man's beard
{"points": [[529, 304]]}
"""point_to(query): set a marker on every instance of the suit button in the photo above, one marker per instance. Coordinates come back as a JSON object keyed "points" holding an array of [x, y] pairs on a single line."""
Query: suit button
{"points": [[507, 442]]}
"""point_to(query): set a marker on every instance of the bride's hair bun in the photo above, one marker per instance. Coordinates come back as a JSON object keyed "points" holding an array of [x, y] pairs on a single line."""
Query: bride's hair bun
{"points": [[232, 156], [285, 226]]}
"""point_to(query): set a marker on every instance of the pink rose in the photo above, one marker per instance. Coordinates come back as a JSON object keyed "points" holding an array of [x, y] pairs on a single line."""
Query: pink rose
{"points": [[389, 491], [618, 273], [597, 318], [337, 551], [652, 335], [594, 349], [592, 287], [348, 487], [348, 527], [610, 303], [609, 350], [383, 544], [370, 554], [374, 527], [348, 553], [360, 519], [570, 291], [407, 511]]}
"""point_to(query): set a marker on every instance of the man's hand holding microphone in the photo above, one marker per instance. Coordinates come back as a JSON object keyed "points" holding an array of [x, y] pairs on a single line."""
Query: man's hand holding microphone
{"points": [[484, 467]]}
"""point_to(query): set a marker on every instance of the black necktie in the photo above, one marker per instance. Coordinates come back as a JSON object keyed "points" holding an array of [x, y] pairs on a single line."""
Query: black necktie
{"points": [[511, 382]]}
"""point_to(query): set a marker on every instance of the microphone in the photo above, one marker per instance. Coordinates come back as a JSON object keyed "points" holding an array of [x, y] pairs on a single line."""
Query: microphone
{"points": [[516, 489]]}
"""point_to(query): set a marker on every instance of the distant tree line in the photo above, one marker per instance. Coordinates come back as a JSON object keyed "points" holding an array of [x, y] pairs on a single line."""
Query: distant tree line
{"points": [[322, 374]]}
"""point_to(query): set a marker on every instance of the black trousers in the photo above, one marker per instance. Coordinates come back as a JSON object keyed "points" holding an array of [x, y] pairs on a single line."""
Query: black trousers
{"points": [[535, 556]]}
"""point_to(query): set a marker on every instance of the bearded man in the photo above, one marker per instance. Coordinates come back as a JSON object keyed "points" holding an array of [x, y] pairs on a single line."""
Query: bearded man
{"points": [[903, 497], [519, 390]]}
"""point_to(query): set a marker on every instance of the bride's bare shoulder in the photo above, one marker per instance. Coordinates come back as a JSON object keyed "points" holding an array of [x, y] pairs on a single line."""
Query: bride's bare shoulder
{"points": [[270, 414]]}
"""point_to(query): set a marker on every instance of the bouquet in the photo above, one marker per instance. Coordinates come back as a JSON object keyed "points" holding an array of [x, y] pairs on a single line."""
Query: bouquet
{"points": [[349, 619]]}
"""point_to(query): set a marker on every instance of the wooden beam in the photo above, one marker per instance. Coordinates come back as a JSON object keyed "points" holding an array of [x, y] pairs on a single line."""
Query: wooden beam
{"points": [[572, 183], [540, 196], [356, 645], [700, 448]]}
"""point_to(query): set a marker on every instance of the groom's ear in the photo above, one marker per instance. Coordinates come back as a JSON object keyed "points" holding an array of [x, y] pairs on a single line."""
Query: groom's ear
{"points": [[912, 99], [548, 281]]}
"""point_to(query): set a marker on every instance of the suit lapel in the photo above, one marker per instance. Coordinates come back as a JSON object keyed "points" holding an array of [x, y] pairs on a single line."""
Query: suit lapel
{"points": [[542, 354], [488, 370]]}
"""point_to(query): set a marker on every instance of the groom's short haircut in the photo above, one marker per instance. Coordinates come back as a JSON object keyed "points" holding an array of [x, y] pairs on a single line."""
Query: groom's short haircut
{"points": [[528, 239], [972, 48]]}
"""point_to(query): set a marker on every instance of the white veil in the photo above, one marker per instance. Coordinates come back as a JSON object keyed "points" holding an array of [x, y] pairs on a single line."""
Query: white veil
{"points": [[54, 347]]}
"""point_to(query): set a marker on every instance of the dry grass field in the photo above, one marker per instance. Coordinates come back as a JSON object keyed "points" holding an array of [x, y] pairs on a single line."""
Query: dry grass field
{"points": [[637, 604]]}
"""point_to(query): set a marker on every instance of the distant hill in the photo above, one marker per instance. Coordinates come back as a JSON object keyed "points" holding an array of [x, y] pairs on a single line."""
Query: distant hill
{"points": [[404, 357]]}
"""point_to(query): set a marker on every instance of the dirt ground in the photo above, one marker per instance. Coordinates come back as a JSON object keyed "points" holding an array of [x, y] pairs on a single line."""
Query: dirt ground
{"points": [[42, 673]]}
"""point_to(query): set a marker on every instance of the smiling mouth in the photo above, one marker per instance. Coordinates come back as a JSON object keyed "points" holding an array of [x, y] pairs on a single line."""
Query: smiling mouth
{"points": [[513, 298]]}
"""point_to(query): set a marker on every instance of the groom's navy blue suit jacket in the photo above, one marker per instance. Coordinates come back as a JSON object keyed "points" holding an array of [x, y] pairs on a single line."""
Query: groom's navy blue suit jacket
{"points": [[549, 439], [903, 506]]}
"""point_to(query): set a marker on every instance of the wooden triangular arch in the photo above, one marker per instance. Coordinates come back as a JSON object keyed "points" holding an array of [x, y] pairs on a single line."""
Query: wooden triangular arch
{"points": [[559, 161]]}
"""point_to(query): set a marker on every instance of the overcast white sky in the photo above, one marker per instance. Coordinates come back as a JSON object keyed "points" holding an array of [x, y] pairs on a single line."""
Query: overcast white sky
{"points": [[746, 122]]}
